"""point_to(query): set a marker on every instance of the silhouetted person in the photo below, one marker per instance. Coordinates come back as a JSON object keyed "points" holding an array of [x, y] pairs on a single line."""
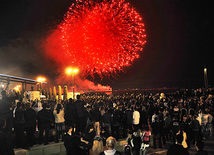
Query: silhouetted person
{"points": [[6, 147], [107, 120], [72, 142], [6, 111], [136, 142], [156, 132], [30, 124], [19, 126], [177, 149], [195, 126], [79, 107], [45, 118], [116, 124], [129, 118], [70, 113]]}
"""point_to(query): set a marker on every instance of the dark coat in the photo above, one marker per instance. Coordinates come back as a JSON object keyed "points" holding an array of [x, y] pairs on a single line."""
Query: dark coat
{"points": [[6, 147], [19, 117], [129, 116], [70, 112], [155, 128], [45, 117], [72, 145], [107, 118], [30, 117], [79, 107]]}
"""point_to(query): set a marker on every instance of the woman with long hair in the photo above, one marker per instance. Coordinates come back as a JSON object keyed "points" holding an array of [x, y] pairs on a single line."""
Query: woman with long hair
{"points": [[59, 121], [97, 147], [184, 142]]}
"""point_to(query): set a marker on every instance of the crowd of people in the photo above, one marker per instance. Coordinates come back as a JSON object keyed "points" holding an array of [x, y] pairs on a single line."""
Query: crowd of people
{"points": [[93, 122]]}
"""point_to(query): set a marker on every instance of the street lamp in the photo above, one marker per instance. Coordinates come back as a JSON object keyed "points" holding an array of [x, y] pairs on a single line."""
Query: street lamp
{"points": [[72, 71], [205, 78], [41, 80]]}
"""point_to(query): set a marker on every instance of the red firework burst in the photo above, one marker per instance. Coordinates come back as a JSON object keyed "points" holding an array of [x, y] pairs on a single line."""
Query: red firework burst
{"points": [[98, 37]]}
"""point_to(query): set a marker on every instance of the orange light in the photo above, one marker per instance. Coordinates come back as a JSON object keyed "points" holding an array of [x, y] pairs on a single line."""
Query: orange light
{"points": [[17, 87], [41, 79], [71, 71]]}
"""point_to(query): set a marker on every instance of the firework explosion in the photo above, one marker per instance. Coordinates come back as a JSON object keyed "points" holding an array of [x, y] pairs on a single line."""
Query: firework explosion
{"points": [[98, 37]]}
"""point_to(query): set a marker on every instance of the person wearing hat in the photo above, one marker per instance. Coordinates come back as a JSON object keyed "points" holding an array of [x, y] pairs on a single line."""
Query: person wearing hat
{"points": [[111, 142]]}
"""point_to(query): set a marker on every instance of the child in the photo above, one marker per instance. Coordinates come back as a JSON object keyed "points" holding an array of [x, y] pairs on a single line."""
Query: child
{"points": [[145, 141]]}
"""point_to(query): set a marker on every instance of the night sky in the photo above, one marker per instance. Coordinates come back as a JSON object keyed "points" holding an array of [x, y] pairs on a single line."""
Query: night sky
{"points": [[179, 42]]}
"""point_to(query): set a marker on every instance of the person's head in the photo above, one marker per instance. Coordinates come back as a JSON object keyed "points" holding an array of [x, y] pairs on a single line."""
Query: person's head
{"points": [[195, 117], [44, 105], [28, 105], [127, 150], [97, 145], [110, 142], [179, 138], [70, 100], [19, 104], [69, 129], [78, 97], [3, 93], [58, 108]]}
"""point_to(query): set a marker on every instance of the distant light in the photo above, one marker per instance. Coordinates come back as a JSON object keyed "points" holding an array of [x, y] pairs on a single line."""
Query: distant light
{"points": [[41, 79], [2, 86], [17, 87], [71, 71]]}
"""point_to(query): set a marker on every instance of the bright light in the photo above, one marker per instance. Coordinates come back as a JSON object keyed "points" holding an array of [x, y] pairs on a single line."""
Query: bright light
{"points": [[2, 86], [71, 71], [17, 87], [41, 79]]}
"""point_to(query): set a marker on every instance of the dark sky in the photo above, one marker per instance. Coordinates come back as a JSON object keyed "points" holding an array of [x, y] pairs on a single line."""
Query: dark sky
{"points": [[179, 42]]}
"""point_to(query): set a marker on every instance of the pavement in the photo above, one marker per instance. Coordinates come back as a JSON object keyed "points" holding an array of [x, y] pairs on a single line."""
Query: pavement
{"points": [[58, 148]]}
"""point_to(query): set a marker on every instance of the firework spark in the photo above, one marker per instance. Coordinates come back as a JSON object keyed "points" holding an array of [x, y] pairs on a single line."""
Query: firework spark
{"points": [[98, 37]]}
